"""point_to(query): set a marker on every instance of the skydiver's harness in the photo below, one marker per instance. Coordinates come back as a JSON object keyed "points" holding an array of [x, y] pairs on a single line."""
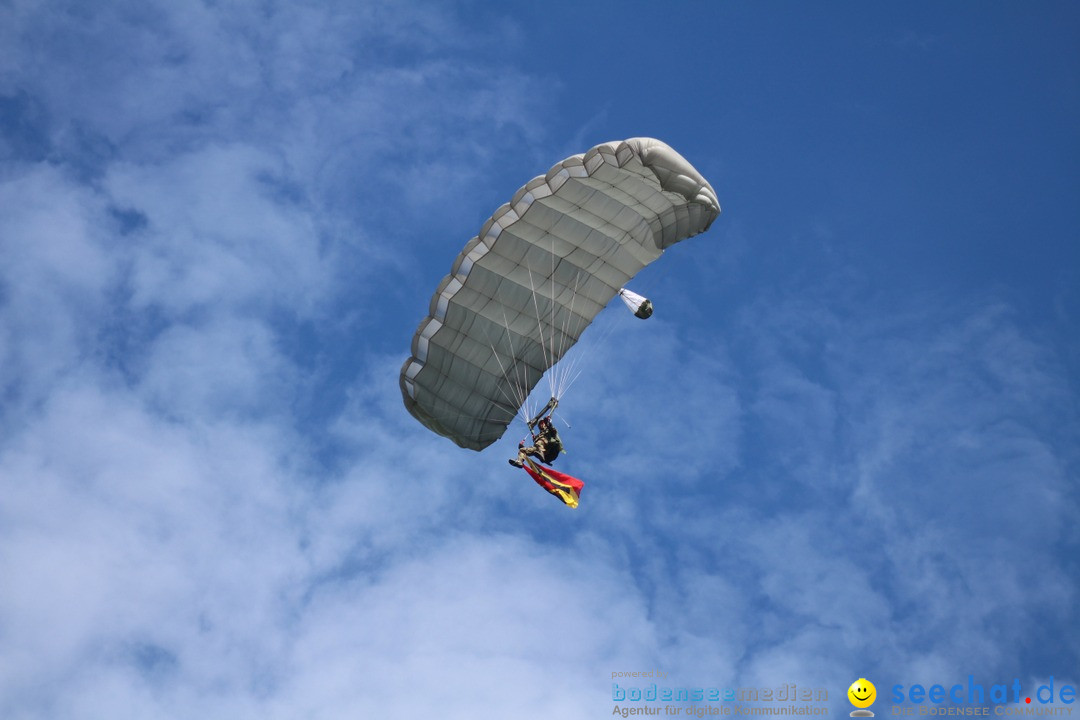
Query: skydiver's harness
{"points": [[544, 412], [548, 444]]}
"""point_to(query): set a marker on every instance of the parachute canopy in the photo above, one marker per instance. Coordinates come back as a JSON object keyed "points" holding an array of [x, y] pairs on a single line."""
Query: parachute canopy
{"points": [[520, 293]]}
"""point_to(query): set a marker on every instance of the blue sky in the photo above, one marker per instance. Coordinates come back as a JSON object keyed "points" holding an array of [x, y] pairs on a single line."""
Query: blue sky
{"points": [[846, 444]]}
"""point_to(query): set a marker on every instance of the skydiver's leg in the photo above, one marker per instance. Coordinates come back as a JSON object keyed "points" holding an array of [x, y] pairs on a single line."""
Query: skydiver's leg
{"points": [[538, 450], [522, 452]]}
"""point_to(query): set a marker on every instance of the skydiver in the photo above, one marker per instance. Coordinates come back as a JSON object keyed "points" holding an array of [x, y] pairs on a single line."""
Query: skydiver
{"points": [[547, 445]]}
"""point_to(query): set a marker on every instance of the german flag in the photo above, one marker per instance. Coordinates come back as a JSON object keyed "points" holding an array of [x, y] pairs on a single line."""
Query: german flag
{"points": [[562, 486]]}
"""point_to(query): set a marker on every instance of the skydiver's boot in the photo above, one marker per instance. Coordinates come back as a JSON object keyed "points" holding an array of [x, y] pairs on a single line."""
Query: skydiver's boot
{"points": [[522, 451], [519, 461]]}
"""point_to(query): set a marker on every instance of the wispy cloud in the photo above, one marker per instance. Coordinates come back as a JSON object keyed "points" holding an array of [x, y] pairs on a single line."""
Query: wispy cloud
{"points": [[169, 533], [214, 504]]}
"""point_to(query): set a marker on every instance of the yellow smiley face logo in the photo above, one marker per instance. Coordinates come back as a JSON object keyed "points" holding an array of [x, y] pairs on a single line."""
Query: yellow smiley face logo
{"points": [[862, 693]]}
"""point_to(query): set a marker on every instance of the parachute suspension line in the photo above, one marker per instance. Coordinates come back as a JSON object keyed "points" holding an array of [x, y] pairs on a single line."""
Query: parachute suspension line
{"points": [[544, 412], [561, 369], [587, 349], [561, 374], [611, 322], [564, 372], [555, 391], [575, 368], [522, 379], [502, 368], [521, 396], [549, 360], [605, 332], [552, 385], [517, 401], [576, 364]]}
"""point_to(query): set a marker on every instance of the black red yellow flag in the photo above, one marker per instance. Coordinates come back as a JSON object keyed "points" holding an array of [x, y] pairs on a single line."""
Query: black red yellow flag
{"points": [[561, 485]]}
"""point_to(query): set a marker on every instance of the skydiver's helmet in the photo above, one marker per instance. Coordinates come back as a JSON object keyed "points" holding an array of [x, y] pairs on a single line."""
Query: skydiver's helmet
{"points": [[545, 424]]}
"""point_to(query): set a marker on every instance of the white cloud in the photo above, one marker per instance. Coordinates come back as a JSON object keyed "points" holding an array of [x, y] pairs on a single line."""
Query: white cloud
{"points": [[170, 544], [908, 524], [217, 235], [56, 268], [815, 490], [478, 623], [133, 545]]}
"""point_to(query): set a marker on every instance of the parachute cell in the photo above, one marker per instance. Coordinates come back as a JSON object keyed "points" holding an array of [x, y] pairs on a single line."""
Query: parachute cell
{"points": [[521, 292]]}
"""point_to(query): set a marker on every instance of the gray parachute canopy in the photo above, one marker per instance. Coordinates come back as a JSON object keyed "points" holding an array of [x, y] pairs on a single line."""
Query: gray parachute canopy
{"points": [[521, 292]]}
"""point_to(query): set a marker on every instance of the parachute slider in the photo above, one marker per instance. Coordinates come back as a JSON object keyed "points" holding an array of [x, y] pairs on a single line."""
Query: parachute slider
{"points": [[641, 306], [549, 408]]}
